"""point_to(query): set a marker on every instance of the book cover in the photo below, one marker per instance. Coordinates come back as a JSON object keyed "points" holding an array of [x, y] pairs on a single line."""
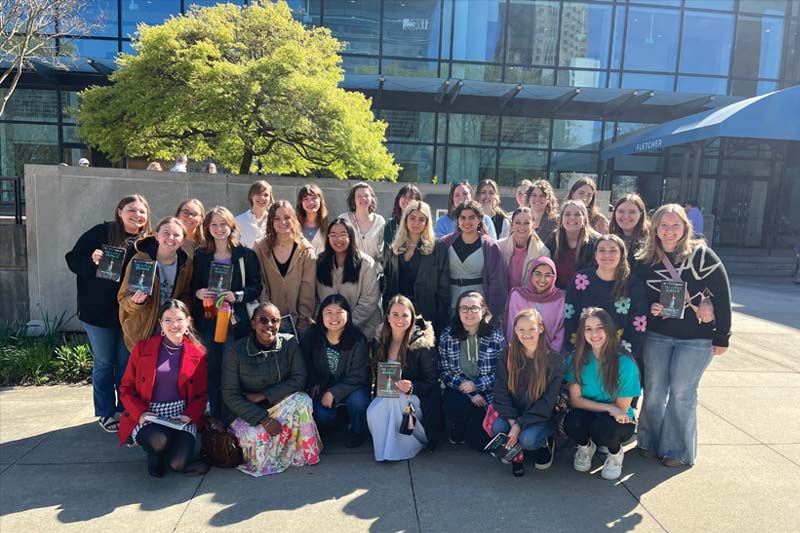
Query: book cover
{"points": [[673, 298], [174, 423], [388, 374], [287, 326], [219, 280], [110, 266], [143, 273], [498, 448]]}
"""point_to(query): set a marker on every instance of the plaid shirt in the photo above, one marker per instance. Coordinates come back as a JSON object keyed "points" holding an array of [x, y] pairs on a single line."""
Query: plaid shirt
{"points": [[489, 349]]}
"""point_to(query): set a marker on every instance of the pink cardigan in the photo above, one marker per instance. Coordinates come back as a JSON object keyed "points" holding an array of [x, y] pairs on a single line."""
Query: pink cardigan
{"points": [[552, 315]]}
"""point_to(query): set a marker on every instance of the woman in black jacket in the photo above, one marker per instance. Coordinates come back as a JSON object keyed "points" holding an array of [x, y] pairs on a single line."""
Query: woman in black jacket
{"points": [[525, 391], [408, 341], [97, 301]]}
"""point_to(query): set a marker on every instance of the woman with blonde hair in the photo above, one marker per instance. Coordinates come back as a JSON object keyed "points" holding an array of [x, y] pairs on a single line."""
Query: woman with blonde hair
{"points": [[417, 266], [544, 208], [585, 190], [313, 216], [408, 193], [678, 350], [572, 244], [629, 222], [288, 266], [191, 213], [522, 247], [489, 198], [253, 222]]}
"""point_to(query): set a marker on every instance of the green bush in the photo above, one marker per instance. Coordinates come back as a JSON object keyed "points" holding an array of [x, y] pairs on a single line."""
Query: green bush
{"points": [[73, 362]]}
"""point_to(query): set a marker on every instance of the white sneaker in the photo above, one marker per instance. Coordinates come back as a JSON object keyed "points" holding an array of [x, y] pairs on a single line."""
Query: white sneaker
{"points": [[583, 457], [603, 450], [612, 468]]}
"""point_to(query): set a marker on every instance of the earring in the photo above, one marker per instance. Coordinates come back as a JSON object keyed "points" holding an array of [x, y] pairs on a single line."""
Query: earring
{"points": [[163, 334]]}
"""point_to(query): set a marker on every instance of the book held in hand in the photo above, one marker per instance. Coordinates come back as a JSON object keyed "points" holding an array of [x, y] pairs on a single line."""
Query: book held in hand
{"points": [[389, 373], [143, 273], [673, 298], [498, 448], [174, 423], [219, 280], [110, 266]]}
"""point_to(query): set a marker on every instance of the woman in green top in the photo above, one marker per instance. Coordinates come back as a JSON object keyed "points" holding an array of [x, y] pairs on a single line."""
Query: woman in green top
{"points": [[602, 383]]}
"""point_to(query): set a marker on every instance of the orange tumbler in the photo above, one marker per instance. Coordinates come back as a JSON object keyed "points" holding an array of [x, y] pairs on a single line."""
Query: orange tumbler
{"points": [[223, 320]]}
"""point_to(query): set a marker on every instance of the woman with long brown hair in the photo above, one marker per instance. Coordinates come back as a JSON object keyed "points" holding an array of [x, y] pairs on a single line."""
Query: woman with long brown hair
{"points": [[408, 193], [572, 244], [312, 214], [526, 386], [191, 213], [544, 208], [585, 190], [629, 222], [489, 198]]}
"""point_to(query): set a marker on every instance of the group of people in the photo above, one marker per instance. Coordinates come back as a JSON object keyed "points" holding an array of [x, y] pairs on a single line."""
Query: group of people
{"points": [[493, 317]]}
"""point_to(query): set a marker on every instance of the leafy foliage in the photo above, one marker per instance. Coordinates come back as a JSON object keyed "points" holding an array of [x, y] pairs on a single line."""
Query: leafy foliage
{"points": [[242, 85]]}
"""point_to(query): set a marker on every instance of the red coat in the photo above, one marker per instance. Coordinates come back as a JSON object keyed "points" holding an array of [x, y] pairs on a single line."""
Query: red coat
{"points": [[137, 384]]}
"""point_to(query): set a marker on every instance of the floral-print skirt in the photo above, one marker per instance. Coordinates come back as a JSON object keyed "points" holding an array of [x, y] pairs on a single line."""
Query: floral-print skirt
{"points": [[297, 444]]}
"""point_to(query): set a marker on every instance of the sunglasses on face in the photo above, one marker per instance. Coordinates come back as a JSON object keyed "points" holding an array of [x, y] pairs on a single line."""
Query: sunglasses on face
{"points": [[268, 320]]}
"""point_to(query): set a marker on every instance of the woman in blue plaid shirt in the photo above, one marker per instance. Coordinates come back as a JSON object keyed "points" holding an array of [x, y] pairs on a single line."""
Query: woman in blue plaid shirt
{"points": [[468, 351]]}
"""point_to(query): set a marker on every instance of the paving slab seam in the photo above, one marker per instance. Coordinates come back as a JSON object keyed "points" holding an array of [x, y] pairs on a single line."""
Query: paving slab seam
{"points": [[189, 502], [633, 495], [414, 496]]}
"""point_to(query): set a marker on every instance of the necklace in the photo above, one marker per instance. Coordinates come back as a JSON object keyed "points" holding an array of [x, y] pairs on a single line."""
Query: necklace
{"points": [[172, 349]]}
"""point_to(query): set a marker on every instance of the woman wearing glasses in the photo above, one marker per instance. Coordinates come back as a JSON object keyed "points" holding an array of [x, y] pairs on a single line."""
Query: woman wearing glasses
{"points": [[191, 214]]}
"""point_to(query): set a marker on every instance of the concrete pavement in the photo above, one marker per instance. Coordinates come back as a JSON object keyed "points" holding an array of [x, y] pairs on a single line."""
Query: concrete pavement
{"points": [[59, 471]]}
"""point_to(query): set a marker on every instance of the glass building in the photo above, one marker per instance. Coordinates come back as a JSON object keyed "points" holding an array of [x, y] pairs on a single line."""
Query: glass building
{"points": [[514, 89]]}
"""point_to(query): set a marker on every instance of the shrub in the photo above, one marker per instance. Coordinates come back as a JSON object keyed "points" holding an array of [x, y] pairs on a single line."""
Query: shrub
{"points": [[73, 362]]}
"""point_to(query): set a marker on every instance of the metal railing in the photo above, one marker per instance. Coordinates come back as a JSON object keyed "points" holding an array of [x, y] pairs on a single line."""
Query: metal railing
{"points": [[11, 197]]}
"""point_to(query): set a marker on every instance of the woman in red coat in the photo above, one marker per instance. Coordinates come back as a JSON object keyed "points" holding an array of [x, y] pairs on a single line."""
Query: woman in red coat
{"points": [[165, 382]]}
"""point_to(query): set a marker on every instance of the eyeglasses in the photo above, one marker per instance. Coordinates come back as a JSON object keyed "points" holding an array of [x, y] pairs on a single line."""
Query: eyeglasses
{"points": [[265, 320], [470, 309], [169, 321], [187, 213]]}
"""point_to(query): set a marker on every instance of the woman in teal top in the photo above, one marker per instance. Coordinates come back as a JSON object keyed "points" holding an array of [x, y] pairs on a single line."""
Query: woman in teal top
{"points": [[602, 382]]}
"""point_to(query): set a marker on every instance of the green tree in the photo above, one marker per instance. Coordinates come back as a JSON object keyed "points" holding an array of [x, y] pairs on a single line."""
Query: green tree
{"points": [[242, 85]]}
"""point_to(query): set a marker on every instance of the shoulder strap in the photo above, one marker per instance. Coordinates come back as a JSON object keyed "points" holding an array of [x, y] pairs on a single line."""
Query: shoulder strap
{"points": [[670, 267], [241, 271]]}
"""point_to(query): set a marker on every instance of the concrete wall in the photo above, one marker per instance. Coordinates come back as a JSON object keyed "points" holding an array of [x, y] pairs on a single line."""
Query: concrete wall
{"points": [[63, 202], [13, 274]]}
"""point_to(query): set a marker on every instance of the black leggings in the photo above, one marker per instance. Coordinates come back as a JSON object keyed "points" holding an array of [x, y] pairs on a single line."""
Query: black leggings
{"points": [[175, 445], [465, 418], [582, 425]]}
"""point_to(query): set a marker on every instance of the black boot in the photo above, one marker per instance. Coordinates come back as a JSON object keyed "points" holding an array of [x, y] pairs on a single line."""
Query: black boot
{"points": [[155, 465]]}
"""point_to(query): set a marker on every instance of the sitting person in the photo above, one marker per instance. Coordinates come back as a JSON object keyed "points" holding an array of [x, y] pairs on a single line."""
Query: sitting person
{"points": [[526, 387], [263, 400], [602, 383], [540, 293], [468, 351], [409, 341], [165, 378], [337, 359]]}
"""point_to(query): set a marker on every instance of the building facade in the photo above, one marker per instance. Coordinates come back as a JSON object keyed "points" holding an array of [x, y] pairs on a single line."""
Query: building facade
{"points": [[485, 88]]}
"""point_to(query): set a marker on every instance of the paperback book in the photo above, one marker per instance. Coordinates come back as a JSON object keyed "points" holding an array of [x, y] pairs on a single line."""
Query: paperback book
{"points": [[389, 373], [498, 448], [110, 266], [142, 275], [673, 298], [219, 280], [174, 423]]}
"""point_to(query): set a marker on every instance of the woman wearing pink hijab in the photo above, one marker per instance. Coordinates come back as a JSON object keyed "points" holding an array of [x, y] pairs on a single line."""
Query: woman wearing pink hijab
{"points": [[540, 293]]}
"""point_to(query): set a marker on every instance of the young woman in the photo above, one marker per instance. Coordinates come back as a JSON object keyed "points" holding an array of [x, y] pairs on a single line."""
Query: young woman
{"points": [[313, 216], [630, 223], [253, 222], [521, 194], [468, 352], [526, 385], [521, 248], [288, 266], [191, 213], [98, 308], [408, 193], [165, 378], [678, 350], [262, 389], [602, 383], [540, 293], [446, 224], [138, 312], [585, 190], [343, 269], [337, 359], [572, 245], [222, 246], [544, 208], [489, 198], [408, 341], [417, 267], [362, 204], [613, 288], [476, 263]]}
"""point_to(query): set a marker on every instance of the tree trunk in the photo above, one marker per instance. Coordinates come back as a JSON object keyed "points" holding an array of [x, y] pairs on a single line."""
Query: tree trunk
{"points": [[247, 161]]}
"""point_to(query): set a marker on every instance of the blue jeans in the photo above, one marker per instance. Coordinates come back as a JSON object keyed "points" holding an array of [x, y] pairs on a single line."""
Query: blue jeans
{"points": [[110, 360], [357, 403], [215, 356], [532, 437], [673, 368]]}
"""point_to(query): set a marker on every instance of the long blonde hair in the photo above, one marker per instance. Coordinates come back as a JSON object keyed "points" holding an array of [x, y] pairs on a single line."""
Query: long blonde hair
{"points": [[426, 241], [532, 373], [652, 249], [225, 214], [271, 236], [199, 238]]}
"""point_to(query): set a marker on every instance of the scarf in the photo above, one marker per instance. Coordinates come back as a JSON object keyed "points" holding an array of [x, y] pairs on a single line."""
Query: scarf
{"points": [[529, 292]]}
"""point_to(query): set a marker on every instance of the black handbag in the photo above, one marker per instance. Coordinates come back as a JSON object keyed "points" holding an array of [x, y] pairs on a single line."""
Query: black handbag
{"points": [[409, 420]]}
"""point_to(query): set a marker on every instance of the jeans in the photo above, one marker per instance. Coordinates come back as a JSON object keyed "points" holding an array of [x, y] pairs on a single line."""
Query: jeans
{"points": [[582, 425], [215, 356], [673, 367], [357, 403], [110, 360], [532, 437]]}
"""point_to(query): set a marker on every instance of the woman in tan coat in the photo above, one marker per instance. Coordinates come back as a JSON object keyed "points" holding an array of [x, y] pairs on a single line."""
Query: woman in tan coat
{"points": [[288, 266]]}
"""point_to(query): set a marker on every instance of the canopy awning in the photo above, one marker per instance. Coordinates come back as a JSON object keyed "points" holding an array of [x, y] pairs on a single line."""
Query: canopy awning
{"points": [[771, 116]]}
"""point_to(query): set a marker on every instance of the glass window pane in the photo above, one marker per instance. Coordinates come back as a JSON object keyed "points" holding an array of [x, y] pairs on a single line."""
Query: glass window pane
{"points": [[470, 164], [577, 134], [441, 132], [408, 125], [532, 32], [24, 144], [357, 23], [473, 129], [411, 68], [476, 72], [416, 160], [585, 35], [659, 2], [530, 75], [517, 165], [411, 28], [582, 78], [613, 80], [89, 48], [70, 134], [652, 39], [695, 84], [69, 106], [525, 132], [447, 31], [656, 82], [478, 30], [31, 105], [206, 3], [101, 16], [706, 44], [766, 7], [360, 65], [153, 13], [723, 5], [758, 47], [765, 87], [619, 37], [639, 163], [625, 128]]}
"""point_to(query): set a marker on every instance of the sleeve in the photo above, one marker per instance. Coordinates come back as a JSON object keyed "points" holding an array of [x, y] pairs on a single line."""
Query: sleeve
{"points": [[387, 233], [449, 352], [542, 409], [629, 384], [357, 374], [79, 259], [196, 404], [127, 389], [572, 315], [252, 277], [258, 250], [232, 393], [720, 289], [126, 305], [490, 227], [569, 373], [308, 287], [296, 379], [426, 372], [307, 349], [440, 228], [185, 295], [197, 281], [495, 280], [502, 396], [487, 361], [443, 288], [636, 326], [558, 338], [368, 297]]}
